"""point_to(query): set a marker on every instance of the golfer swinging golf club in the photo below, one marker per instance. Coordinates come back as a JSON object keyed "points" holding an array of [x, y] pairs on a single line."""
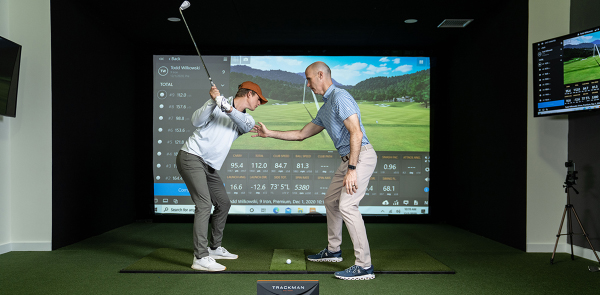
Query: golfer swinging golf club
{"points": [[340, 116], [219, 122]]}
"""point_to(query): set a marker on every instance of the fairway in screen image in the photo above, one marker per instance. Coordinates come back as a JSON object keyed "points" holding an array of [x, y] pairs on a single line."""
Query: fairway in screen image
{"points": [[393, 94], [582, 58]]}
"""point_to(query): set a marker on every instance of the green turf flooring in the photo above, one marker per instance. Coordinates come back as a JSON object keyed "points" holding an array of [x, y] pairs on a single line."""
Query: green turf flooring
{"points": [[482, 266], [407, 261], [167, 260]]}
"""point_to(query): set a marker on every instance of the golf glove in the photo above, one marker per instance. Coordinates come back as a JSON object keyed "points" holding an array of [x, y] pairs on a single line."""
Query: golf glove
{"points": [[223, 104]]}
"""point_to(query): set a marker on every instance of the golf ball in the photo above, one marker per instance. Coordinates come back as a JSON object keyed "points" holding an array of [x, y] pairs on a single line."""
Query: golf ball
{"points": [[288, 261]]}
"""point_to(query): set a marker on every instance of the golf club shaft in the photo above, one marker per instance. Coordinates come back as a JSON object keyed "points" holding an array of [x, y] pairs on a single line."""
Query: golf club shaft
{"points": [[309, 112], [195, 46], [311, 116]]}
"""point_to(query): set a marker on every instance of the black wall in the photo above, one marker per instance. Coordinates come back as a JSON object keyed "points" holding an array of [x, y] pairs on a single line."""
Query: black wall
{"points": [[584, 145], [102, 143], [479, 132], [97, 118]]}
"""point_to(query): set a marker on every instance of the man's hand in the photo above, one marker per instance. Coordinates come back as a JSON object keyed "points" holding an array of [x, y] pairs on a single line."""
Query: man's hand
{"points": [[214, 93], [350, 182], [260, 130], [221, 101]]}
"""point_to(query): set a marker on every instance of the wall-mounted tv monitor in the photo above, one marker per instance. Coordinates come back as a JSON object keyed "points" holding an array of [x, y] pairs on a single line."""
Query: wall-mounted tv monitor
{"points": [[274, 177], [566, 74], [10, 60]]}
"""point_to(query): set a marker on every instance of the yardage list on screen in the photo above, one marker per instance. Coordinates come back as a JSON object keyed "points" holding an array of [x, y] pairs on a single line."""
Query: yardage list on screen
{"points": [[265, 182]]}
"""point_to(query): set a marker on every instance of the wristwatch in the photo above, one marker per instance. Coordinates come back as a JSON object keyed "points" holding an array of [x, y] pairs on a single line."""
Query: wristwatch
{"points": [[351, 167]]}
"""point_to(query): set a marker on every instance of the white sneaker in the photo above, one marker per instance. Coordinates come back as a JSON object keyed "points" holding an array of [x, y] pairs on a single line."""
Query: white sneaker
{"points": [[207, 263], [221, 253]]}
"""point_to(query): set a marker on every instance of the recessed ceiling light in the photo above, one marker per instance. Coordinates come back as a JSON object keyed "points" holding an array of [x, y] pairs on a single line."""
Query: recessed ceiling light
{"points": [[410, 21], [174, 19]]}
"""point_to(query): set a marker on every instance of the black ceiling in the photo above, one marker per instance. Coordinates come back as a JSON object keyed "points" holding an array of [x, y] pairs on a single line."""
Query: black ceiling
{"points": [[290, 25]]}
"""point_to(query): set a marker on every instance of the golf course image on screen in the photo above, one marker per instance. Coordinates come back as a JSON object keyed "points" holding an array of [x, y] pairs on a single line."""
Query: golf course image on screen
{"points": [[582, 58], [393, 95]]}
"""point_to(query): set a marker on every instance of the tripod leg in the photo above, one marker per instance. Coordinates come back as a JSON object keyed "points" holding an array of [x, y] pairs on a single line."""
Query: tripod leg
{"points": [[584, 234], [570, 230], [562, 220]]}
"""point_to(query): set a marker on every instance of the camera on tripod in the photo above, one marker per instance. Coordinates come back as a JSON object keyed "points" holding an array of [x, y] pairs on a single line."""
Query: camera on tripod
{"points": [[571, 173], [570, 209]]}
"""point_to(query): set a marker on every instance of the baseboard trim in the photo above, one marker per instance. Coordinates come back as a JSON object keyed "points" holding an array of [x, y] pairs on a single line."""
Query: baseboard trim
{"points": [[33, 246], [562, 248], [5, 248]]}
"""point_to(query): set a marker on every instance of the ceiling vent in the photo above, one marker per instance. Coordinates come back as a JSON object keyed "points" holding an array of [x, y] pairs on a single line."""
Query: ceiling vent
{"points": [[455, 23]]}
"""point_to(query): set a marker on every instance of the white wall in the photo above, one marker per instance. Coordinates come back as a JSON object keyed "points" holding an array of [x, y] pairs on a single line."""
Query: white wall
{"points": [[26, 141], [4, 153], [547, 145]]}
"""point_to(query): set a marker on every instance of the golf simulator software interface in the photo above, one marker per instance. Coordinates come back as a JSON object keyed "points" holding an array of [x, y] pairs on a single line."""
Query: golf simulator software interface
{"points": [[566, 73], [274, 177]]}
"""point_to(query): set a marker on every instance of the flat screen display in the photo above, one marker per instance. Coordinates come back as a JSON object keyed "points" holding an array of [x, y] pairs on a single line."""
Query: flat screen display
{"points": [[10, 60], [274, 177], [566, 74]]}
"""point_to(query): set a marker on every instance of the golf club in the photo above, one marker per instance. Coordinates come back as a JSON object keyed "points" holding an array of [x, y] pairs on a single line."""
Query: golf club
{"points": [[185, 5], [311, 116], [317, 104]]}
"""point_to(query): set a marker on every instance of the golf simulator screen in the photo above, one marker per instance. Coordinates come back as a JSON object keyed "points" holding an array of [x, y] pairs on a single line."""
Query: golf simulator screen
{"points": [[265, 176], [566, 74]]}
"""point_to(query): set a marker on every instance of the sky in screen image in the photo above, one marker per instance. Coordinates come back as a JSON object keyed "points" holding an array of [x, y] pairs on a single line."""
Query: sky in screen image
{"points": [[589, 38], [347, 70]]}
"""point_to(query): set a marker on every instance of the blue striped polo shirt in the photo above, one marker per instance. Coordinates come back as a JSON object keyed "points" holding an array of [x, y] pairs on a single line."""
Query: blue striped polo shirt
{"points": [[339, 105]]}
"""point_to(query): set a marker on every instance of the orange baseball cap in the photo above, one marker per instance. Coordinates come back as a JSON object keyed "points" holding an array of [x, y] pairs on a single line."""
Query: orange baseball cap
{"points": [[254, 87]]}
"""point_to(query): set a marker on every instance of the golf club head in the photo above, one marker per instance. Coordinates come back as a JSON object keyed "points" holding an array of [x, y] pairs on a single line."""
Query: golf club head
{"points": [[185, 5]]}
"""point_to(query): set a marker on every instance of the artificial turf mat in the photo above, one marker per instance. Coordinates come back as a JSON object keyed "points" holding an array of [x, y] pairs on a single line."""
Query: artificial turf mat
{"points": [[295, 255], [169, 260], [384, 261]]}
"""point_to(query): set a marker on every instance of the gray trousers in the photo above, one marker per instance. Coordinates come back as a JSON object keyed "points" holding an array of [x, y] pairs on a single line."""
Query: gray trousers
{"points": [[206, 189], [342, 207]]}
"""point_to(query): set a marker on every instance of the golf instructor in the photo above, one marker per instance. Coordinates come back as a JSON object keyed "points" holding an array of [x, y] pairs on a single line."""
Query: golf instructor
{"points": [[340, 116], [219, 122]]}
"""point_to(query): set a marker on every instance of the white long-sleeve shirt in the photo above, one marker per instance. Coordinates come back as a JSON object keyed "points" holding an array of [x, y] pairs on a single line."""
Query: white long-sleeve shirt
{"points": [[215, 132]]}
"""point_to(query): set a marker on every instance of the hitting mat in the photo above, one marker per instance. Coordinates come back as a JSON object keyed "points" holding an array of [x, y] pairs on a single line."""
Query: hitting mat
{"points": [[168, 260]]}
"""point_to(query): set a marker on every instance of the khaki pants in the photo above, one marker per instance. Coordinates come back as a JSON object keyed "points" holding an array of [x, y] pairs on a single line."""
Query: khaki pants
{"points": [[206, 188], [342, 207]]}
